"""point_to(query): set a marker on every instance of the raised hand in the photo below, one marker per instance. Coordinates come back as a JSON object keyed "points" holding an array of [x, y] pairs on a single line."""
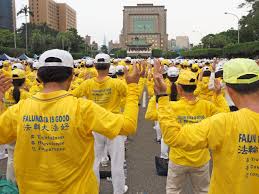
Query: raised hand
{"points": [[5, 84], [160, 85], [217, 86], [134, 76]]}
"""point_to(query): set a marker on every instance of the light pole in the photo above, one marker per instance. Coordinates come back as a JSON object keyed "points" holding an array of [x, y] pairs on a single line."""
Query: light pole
{"points": [[238, 35]]}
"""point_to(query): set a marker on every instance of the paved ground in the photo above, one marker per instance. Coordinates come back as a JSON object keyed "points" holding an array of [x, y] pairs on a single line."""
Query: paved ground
{"points": [[142, 178]]}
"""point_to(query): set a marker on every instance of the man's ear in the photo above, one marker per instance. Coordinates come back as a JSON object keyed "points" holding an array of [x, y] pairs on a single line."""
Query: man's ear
{"points": [[233, 95]]}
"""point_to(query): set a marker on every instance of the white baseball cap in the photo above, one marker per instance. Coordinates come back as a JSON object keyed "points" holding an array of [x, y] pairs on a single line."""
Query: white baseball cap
{"points": [[128, 59], [36, 65], [62, 58], [112, 70], [1, 64], [119, 68], [102, 58], [89, 62], [18, 66], [173, 72]]}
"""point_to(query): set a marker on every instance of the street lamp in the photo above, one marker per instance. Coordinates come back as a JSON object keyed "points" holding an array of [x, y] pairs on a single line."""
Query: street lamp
{"points": [[238, 36]]}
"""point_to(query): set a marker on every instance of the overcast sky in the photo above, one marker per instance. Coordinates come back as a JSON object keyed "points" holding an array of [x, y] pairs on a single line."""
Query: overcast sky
{"points": [[99, 18]]}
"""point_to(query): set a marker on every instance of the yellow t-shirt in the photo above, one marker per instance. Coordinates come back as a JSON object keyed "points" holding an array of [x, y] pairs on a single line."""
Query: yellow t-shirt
{"points": [[203, 91], [32, 76], [9, 100], [88, 73], [54, 150], [233, 139], [36, 88], [189, 112], [107, 93]]}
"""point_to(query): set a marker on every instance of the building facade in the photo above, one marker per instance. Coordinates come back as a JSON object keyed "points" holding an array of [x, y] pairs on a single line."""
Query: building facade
{"points": [[172, 45], [58, 16], [144, 28], [113, 45], [7, 14], [182, 42], [88, 40]]}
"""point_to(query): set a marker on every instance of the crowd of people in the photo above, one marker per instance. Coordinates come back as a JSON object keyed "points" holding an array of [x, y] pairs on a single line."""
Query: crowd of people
{"points": [[62, 118]]}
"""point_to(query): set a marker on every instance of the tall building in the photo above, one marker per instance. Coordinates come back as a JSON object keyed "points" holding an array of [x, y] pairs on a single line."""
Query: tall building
{"points": [[94, 45], [144, 28], [58, 16], [88, 40], [7, 14], [182, 42], [172, 44]]}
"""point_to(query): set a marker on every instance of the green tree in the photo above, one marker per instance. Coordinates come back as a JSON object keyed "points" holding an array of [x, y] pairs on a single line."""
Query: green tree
{"points": [[121, 53], [6, 38], [250, 23], [104, 49], [37, 42], [157, 53], [63, 41]]}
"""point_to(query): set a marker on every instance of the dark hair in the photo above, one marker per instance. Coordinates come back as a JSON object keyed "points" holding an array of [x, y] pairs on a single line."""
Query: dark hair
{"points": [[174, 92], [206, 73], [120, 73], [112, 76], [17, 83], [194, 70], [219, 74], [188, 88], [245, 88], [102, 66], [54, 74]]}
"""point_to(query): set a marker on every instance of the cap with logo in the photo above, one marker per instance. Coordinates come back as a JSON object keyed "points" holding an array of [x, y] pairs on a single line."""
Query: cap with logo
{"points": [[186, 77], [235, 69], [56, 58], [18, 74], [102, 58]]}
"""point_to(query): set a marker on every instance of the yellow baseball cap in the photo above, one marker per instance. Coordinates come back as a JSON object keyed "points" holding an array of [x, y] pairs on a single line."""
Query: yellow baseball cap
{"points": [[195, 66], [186, 77], [236, 68], [18, 74]]}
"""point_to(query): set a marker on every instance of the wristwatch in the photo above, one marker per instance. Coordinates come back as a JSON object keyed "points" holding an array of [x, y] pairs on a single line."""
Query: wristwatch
{"points": [[159, 96]]}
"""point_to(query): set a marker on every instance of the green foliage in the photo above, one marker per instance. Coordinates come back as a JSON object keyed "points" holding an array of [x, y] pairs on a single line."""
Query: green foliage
{"points": [[220, 40], [121, 53], [42, 38], [104, 49], [6, 38], [202, 53], [157, 53], [250, 23], [78, 55], [249, 49], [12, 52], [169, 54]]}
